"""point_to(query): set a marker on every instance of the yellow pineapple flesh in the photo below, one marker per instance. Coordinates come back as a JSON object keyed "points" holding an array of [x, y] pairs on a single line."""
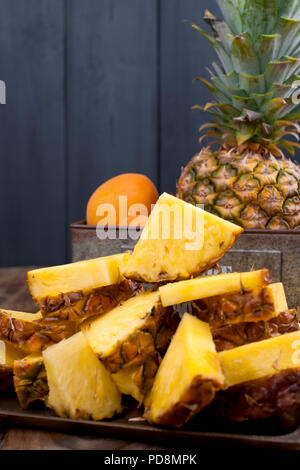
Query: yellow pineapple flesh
{"points": [[8, 354], [79, 385], [208, 286], [82, 275], [256, 360], [127, 381], [79, 290], [261, 379], [31, 332], [130, 340], [30, 380], [188, 377], [179, 241]]}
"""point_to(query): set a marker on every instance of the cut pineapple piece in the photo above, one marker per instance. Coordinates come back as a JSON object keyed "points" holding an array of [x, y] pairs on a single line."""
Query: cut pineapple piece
{"points": [[208, 286], [133, 336], [30, 380], [31, 332], [8, 354], [247, 306], [255, 360], [275, 295], [237, 334], [179, 241], [261, 379], [79, 290], [126, 334], [79, 276], [79, 385], [80, 305], [127, 381], [188, 377]]}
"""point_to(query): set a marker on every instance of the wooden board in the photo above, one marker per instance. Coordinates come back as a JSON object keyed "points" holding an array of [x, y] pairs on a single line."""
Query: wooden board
{"points": [[129, 426]]}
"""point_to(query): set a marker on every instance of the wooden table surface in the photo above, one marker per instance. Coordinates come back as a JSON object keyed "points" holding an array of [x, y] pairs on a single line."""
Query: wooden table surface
{"points": [[14, 295]]}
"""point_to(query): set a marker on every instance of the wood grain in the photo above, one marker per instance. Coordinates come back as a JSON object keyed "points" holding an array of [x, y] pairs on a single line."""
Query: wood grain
{"points": [[14, 294], [24, 439], [112, 94], [32, 133]]}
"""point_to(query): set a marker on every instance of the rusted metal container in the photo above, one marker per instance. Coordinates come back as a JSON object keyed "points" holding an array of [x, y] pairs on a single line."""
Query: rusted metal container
{"points": [[279, 251], [86, 243]]}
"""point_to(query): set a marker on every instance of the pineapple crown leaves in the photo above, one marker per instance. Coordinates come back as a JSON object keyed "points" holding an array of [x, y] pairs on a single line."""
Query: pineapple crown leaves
{"points": [[258, 46]]}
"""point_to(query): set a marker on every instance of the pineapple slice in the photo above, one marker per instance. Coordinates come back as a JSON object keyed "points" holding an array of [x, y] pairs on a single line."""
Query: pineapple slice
{"points": [[79, 290], [261, 379], [208, 286], [179, 241], [130, 339], [82, 275], [188, 377], [255, 360], [247, 306], [235, 335], [31, 332], [79, 385], [30, 380], [8, 354]]}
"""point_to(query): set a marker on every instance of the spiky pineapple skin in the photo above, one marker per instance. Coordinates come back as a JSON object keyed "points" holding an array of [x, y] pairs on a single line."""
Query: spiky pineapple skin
{"points": [[254, 190], [34, 335], [232, 336], [261, 398], [80, 305]]}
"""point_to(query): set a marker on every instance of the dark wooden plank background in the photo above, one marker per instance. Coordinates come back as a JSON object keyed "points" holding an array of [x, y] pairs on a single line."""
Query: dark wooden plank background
{"points": [[94, 88]]}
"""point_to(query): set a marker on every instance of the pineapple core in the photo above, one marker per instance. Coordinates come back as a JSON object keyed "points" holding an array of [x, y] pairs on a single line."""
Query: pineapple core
{"points": [[262, 359], [80, 276], [178, 241], [79, 385], [188, 377], [208, 286]]}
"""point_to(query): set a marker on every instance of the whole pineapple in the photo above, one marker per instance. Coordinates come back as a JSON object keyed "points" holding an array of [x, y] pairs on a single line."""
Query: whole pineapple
{"points": [[248, 180]]}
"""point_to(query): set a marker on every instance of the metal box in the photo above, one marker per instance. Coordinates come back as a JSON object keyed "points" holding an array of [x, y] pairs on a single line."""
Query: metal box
{"points": [[279, 251]]}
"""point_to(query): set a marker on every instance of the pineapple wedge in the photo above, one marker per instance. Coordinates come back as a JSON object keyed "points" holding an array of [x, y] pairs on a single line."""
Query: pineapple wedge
{"points": [[247, 306], [208, 286], [8, 354], [32, 333], [130, 340], [188, 377], [179, 241], [265, 358], [235, 335], [79, 385], [30, 380], [82, 275], [261, 379], [79, 290]]}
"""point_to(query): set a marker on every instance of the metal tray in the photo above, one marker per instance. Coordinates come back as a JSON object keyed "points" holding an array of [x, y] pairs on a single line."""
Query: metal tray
{"points": [[202, 429]]}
